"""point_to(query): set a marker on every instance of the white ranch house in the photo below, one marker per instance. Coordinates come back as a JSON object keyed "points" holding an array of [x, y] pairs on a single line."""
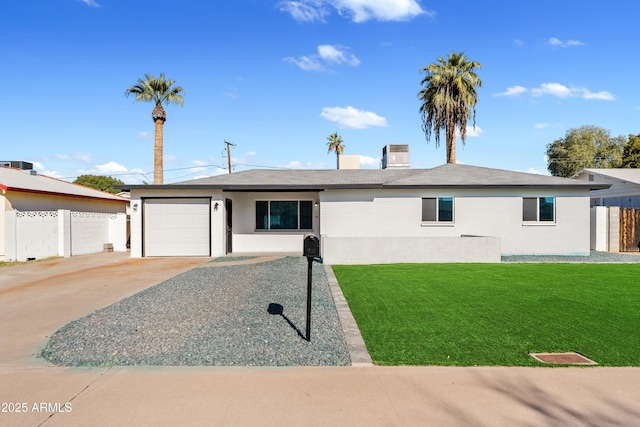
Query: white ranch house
{"points": [[450, 213]]}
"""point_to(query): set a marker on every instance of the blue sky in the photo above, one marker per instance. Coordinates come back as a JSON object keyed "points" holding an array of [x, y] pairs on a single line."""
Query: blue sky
{"points": [[276, 77]]}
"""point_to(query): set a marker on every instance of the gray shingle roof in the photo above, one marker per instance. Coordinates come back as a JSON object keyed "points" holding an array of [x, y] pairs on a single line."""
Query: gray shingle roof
{"points": [[17, 180], [449, 175], [622, 174]]}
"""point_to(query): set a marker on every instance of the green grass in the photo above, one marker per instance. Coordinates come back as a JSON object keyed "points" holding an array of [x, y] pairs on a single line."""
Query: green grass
{"points": [[12, 263], [8, 263], [495, 314]]}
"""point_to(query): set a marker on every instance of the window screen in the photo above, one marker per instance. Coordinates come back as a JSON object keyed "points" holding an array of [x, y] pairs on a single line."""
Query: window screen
{"points": [[529, 209], [437, 209], [429, 209]]}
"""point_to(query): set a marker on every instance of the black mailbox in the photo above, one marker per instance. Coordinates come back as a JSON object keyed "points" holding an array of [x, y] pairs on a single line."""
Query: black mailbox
{"points": [[311, 246]]}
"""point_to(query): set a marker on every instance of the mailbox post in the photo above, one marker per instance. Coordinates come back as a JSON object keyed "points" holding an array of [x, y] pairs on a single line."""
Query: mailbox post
{"points": [[311, 250]]}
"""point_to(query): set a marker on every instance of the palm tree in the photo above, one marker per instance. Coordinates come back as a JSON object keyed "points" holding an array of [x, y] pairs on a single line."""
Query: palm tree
{"points": [[336, 144], [158, 91], [449, 98]]}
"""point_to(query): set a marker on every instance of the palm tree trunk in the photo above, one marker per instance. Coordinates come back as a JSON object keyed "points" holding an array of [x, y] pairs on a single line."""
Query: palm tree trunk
{"points": [[451, 143], [158, 179]]}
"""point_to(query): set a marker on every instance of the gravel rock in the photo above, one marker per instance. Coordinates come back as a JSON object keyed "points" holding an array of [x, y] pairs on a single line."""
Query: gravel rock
{"points": [[593, 258], [212, 315]]}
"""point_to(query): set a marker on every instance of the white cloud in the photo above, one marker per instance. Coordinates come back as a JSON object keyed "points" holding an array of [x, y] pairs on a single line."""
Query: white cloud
{"points": [[337, 55], [562, 91], [91, 3], [474, 132], [553, 41], [305, 10], [77, 156], [555, 89], [38, 166], [307, 63], [558, 90], [352, 118], [518, 43], [512, 91], [357, 10], [111, 167], [42, 170], [538, 171], [380, 10], [232, 93], [295, 164], [367, 162], [144, 135], [541, 125], [327, 55], [51, 173], [602, 95]]}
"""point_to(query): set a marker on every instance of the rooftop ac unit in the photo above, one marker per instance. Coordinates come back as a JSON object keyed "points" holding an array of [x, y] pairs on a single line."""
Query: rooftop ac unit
{"points": [[395, 156], [16, 164]]}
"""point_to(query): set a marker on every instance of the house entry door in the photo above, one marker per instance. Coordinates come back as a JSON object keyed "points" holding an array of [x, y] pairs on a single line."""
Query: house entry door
{"points": [[229, 209]]}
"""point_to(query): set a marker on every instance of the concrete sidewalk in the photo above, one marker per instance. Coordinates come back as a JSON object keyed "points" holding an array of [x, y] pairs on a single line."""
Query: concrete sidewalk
{"points": [[38, 298]]}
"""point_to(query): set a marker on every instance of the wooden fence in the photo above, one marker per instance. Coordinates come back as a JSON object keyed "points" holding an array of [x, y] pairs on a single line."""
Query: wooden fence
{"points": [[629, 230]]}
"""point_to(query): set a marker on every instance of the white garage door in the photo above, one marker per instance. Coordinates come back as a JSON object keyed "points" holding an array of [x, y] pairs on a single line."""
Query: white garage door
{"points": [[177, 227]]}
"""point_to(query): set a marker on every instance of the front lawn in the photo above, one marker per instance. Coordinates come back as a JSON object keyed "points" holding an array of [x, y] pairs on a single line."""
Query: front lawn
{"points": [[495, 314]]}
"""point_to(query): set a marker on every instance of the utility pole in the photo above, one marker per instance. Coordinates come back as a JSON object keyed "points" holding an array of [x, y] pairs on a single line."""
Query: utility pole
{"points": [[229, 154]]}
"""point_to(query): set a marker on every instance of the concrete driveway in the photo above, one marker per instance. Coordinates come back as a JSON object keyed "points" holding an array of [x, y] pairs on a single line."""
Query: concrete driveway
{"points": [[36, 299]]}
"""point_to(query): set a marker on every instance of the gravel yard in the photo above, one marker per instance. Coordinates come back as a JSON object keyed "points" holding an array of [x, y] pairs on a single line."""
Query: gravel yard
{"points": [[217, 315], [594, 257]]}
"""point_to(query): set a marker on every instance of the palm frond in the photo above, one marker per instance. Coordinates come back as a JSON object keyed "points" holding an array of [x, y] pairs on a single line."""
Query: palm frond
{"points": [[449, 96]]}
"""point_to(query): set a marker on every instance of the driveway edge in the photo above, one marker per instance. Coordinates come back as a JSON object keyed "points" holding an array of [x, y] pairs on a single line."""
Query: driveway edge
{"points": [[355, 344]]}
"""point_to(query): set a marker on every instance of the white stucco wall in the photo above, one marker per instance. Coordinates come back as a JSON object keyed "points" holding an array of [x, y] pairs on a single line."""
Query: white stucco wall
{"points": [[33, 235], [43, 234], [394, 250], [348, 215], [3, 207], [491, 213], [91, 230], [36, 202], [247, 239], [599, 228], [218, 221]]}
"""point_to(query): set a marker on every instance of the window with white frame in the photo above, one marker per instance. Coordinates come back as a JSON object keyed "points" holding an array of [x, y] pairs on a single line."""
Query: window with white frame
{"points": [[538, 209], [284, 215], [437, 209]]}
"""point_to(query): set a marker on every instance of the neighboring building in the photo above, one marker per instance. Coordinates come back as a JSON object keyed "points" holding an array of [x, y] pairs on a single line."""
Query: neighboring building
{"points": [[615, 216], [24, 193], [624, 190], [451, 213], [349, 161]]}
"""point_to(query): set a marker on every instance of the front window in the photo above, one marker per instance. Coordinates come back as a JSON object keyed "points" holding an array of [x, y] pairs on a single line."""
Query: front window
{"points": [[437, 209], [538, 209], [284, 215]]}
